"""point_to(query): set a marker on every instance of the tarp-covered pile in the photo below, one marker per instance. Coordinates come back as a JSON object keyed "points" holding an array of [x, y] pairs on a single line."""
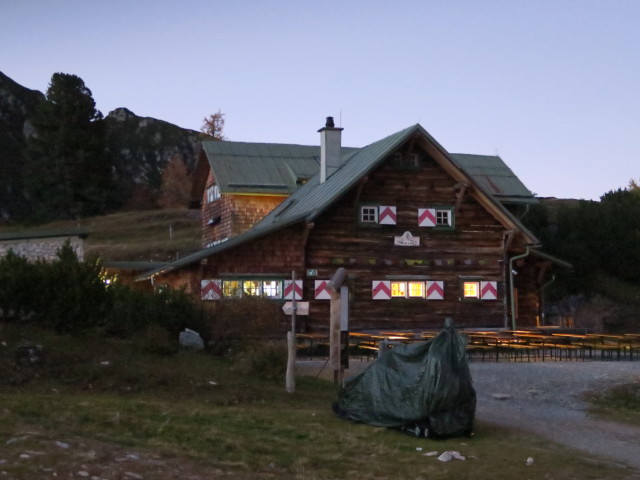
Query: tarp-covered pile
{"points": [[424, 388]]}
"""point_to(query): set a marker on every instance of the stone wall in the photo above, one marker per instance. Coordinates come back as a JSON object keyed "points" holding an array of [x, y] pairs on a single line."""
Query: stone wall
{"points": [[41, 248]]}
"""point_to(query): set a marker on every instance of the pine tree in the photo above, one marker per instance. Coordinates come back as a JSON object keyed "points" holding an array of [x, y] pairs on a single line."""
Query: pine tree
{"points": [[68, 171]]}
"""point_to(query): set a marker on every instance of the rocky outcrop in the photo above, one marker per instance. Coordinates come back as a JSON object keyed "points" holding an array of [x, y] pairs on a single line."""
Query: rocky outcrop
{"points": [[142, 146], [140, 149]]}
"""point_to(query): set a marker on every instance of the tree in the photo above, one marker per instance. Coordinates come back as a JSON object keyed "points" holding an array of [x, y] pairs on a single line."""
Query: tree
{"points": [[176, 184], [213, 125], [68, 171]]}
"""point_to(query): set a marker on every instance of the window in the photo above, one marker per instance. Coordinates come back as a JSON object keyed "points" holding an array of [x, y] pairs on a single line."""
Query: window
{"points": [[436, 217], [399, 289], [213, 193], [272, 289], [443, 218], [231, 288], [471, 290], [251, 288], [388, 289], [369, 214], [416, 289], [236, 288], [406, 161], [378, 215]]}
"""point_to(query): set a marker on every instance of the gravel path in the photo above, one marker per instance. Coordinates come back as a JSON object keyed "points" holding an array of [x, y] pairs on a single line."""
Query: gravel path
{"points": [[545, 398]]}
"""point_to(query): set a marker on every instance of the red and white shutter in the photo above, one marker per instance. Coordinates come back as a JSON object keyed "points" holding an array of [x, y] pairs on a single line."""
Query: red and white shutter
{"points": [[289, 290], [387, 215], [211, 289], [435, 290], [488, 290], [322, 290], [426, 217], [381, 290]]}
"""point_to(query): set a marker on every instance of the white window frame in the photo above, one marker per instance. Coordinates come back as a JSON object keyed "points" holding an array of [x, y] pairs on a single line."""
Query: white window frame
{"points": [[213, 193], [443, 217], [369, 214], [272, 288]]}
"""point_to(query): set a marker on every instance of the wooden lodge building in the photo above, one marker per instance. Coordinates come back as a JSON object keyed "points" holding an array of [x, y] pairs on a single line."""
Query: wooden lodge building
{"points": [[421, 233]]}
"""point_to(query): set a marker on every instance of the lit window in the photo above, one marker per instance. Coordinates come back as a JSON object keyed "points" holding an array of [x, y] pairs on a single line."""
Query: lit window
{"points": [[271, 289], [399, 289], [416, 289], [251, 287], [231, 288], [471, 289], [369, 214], [443, 217], [213, 193]]}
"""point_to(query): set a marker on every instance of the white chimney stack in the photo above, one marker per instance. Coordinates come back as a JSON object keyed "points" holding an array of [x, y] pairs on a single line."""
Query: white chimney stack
{"points": [[330, 149]]}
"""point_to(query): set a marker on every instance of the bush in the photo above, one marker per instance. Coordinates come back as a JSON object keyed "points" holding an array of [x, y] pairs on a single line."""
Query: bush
{"points": [[19, 281], [239, 323], [267, 360]]}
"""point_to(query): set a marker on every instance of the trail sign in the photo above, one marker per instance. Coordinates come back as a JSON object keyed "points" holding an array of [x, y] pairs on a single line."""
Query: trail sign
{"points": [[302, 308]]}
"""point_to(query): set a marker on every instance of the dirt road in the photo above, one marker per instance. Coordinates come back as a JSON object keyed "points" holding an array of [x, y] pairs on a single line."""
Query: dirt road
{"points": [[545, 398]]}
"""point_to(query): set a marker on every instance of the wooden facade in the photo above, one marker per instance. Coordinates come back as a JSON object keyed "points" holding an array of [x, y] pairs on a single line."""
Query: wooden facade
{"points": [[233, 214], [459, 268]]}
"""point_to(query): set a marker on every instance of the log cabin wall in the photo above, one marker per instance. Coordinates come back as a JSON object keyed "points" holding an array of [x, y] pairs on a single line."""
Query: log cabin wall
{"points": [[473, 249], [527, 291]]}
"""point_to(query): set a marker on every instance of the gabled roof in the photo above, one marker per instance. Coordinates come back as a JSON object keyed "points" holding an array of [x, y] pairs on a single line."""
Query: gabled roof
{"points": [[314, 197], [496, 177], [268, 168]]}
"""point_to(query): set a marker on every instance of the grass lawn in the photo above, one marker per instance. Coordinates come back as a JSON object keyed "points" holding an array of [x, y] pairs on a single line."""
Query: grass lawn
{"points": [[107, 408]]}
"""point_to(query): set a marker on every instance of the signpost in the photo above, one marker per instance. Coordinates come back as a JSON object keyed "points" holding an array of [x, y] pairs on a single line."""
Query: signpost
{"points": [[290, 379]]}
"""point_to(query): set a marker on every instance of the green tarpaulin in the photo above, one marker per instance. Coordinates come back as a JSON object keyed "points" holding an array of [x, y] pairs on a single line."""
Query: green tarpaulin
{"points": [[424, 388]]}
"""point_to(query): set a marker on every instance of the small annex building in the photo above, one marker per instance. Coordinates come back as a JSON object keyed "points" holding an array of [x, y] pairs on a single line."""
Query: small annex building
{"points": [[42, 245], [422, 234]]}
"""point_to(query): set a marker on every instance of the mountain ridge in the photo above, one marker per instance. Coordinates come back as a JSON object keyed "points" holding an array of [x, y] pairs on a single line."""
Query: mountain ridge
{"points": [[141, 147]]}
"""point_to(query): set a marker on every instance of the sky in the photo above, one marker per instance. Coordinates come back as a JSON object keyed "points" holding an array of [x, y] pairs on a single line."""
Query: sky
{"points": [[552, 86]]}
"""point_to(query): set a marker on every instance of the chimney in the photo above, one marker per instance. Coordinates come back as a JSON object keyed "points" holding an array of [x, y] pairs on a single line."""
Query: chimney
{"points": [[330, 149]]}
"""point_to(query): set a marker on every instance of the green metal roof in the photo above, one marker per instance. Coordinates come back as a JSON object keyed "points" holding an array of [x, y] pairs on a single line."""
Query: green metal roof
{"points": [[495, 177], [314, 197], [241, 167]]}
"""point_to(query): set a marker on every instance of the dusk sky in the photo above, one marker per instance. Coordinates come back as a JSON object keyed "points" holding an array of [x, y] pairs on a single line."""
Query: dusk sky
{"points": [[552, 86]]}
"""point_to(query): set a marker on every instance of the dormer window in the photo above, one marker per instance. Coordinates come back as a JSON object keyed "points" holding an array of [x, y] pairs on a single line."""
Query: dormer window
{"points": [[213, 193]]}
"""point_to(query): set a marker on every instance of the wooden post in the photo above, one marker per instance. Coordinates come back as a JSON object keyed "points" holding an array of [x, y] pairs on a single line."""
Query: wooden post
{"points": [[335, 285], [334, 335], [290, 380]]}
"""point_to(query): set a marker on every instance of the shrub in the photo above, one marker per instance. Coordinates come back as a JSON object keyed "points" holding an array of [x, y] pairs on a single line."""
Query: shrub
{"points": [[267, 360], [238, 323], [74, 296], [19, 281]]}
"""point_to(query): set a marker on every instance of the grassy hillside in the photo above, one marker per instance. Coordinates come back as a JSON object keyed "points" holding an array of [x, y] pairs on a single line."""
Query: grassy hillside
{"points": [[148, 235]]}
